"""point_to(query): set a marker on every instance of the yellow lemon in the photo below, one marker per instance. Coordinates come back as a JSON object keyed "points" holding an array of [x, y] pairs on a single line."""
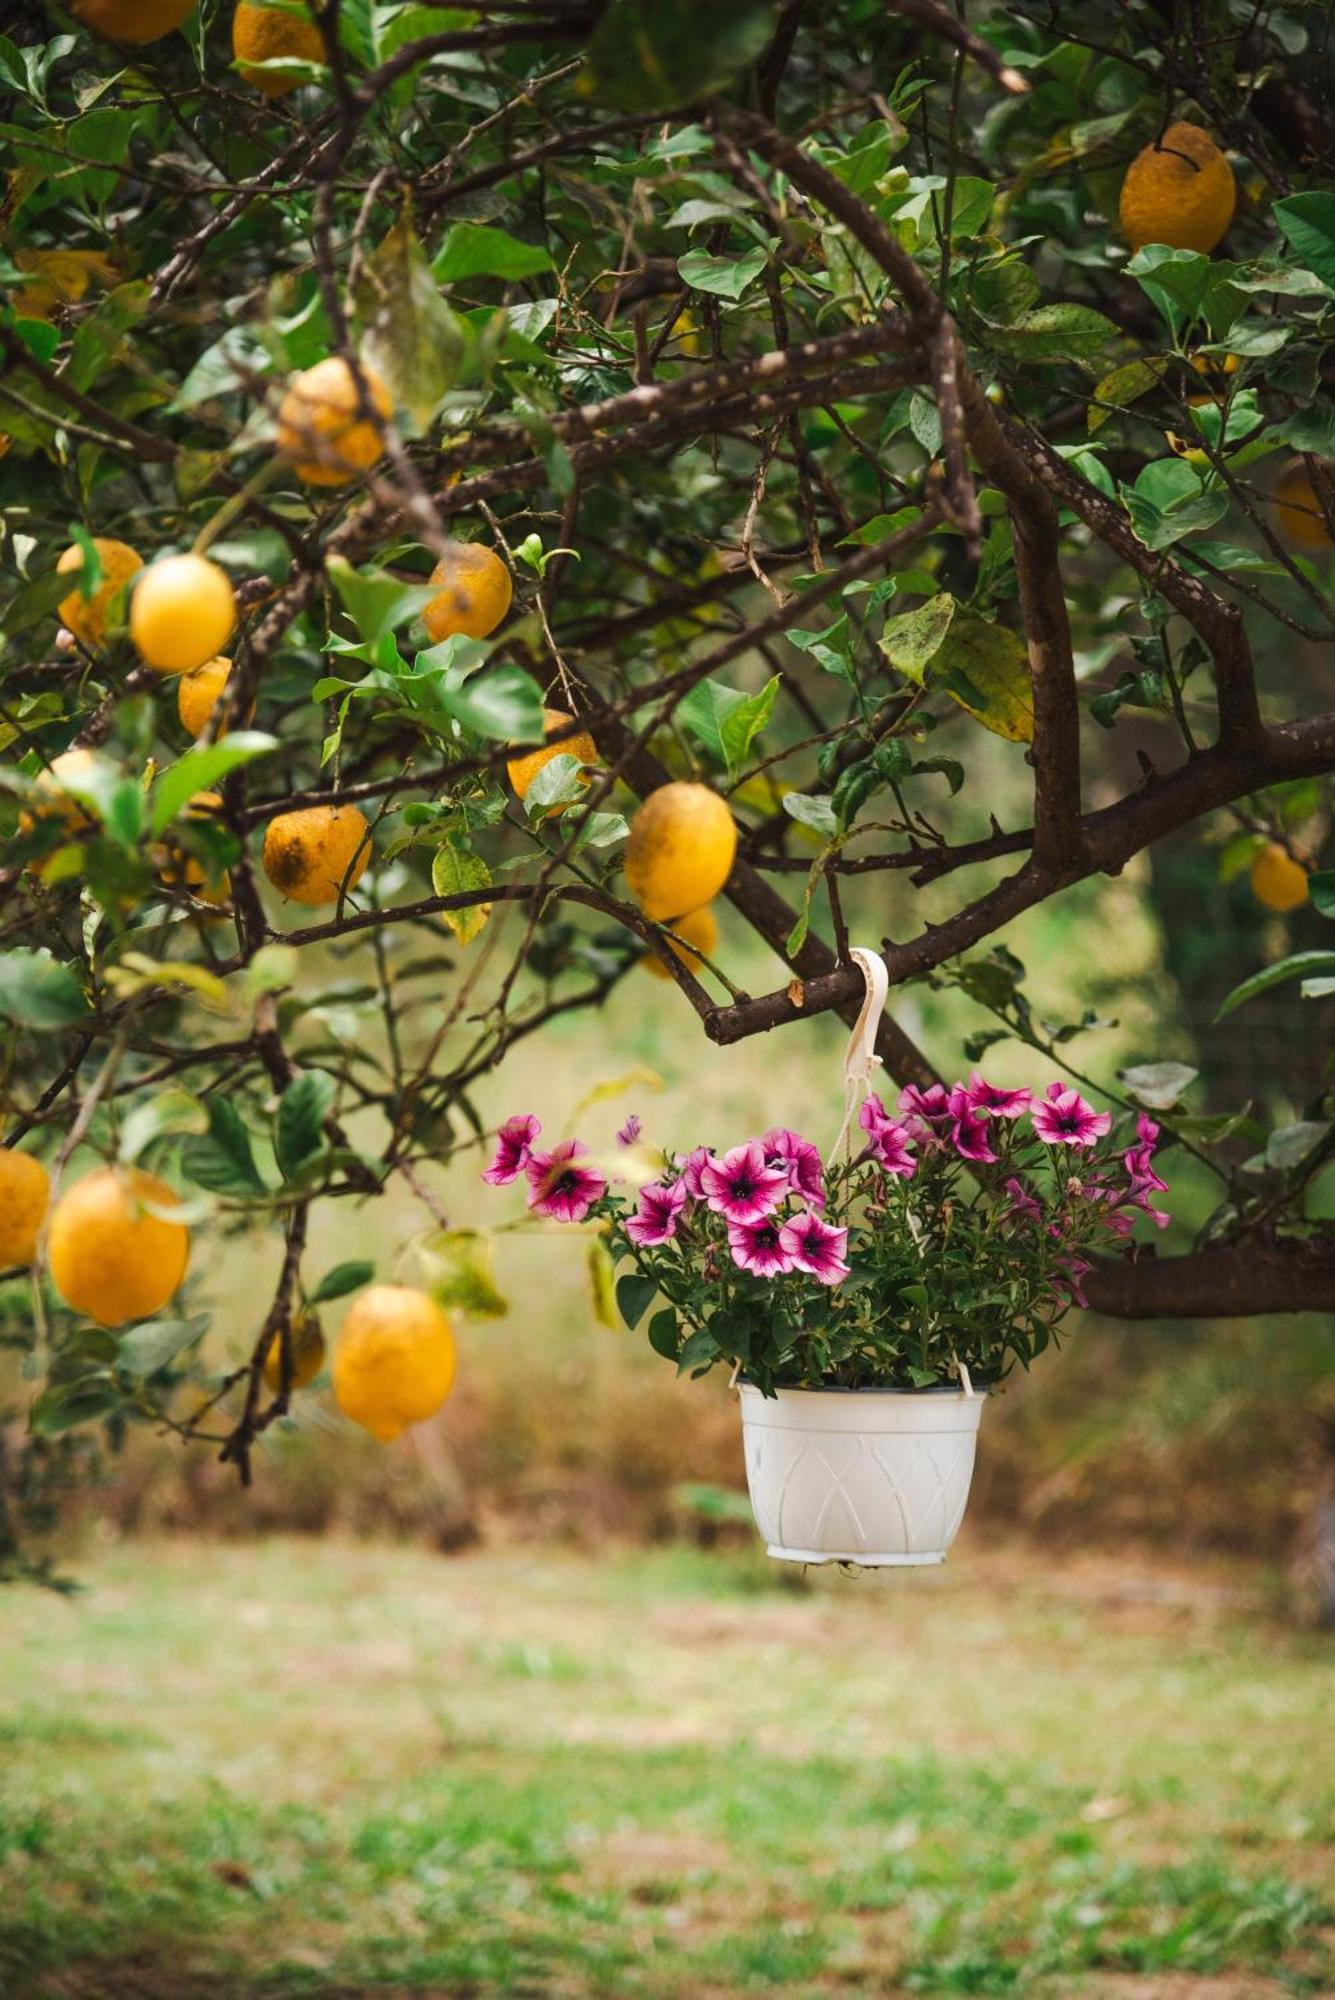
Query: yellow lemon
{"points": [[699, 928], [189, 873], [683, 841], [1179, 191], [394, 1364], [522, 770], [476, 593], [327, 430], [182, 613], [25, 1187], [68, 768], [317, 854], [59, 278], [198, 694], [1278, 880], [306, 1339], [108, 1256], [265, 34], [131, 21], [1301, 517], [86, 617]]}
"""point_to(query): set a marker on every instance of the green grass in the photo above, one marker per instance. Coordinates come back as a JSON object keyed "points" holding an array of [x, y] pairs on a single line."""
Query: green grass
{"points": [[311, 1768]]}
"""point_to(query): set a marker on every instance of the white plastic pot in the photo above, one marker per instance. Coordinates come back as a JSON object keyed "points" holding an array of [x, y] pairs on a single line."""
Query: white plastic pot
{"points": [[878, 1477]]}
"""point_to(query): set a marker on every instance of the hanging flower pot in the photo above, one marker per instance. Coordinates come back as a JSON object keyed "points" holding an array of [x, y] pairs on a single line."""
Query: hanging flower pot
{"points": [[865, 1301]]}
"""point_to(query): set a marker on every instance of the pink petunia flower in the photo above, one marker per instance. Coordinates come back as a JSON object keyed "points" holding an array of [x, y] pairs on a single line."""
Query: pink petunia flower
{"points": [[691, 1169], [1064, 1118], [759, 1247], [564, 1186], [816, 1246], [1068, 1279], [888, 1140], [740, 1186], [514, 1143], [788, 1152], [1021, 1201], [630, 1131], [659, 1212], [990, 1097], [968, 1131], [932, 1105]]}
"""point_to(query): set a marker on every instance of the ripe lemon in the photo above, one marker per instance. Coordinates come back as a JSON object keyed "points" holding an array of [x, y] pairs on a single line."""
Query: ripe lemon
{"points": [[57, 803], [394, 1364], [1179, 191], [306, 1338], [522, 770], [1301, 517], [264, 34], [476, 594], [682, 844], [324, 428], [188, 872], [317, 854], [700, 929], [198, 694], [132, 21], [25, 1188], [1278, 880], [182, 613], [86, 617], [108, 1256]]}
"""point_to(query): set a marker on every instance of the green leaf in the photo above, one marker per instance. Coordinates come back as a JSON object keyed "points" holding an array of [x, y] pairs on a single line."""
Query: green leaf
{"points": [[412, 339], [1321, 889], [1186, 286], [376, 602], [476, 250], [1307, 222], [342, 1279], [1124, 385], [221, 1159], [299, 1126], [101, 334], [665, 1334], [811, 809], [454, 871], [725, 277], [33, 603], [63, 1406], [199, 770], [457, 1266], [225, 369], [1299, 965], [725, 721], [659, 57], [1158, 1085], [1056, 333], [504, 703], [150, 1346], [635, 1294], [912, 639], [1169, 501], [1291, 1145], [38, 992], [982, 667]]}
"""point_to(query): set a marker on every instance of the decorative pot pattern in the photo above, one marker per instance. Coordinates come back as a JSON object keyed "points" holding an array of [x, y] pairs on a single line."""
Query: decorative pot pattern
{"points": [[878, 1477]]}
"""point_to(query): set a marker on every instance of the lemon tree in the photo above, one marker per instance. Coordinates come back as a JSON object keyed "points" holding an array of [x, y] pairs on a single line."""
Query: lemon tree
{"points": [[489, 499]]}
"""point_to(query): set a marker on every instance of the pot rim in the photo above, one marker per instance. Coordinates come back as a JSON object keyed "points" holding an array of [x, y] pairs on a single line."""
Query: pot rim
{"points": [[980, 1389]]}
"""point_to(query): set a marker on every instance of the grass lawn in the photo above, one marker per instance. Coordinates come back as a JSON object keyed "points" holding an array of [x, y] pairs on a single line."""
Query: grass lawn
{"points": [[315, 1768]]}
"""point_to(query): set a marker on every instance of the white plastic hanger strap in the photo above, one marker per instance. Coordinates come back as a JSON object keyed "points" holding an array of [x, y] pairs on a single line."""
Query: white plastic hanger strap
{"points": [[861, 1062]]}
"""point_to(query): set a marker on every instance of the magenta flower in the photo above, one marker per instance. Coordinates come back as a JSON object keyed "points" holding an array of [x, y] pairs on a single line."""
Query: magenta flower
{"points": [[659, 1212], [759, 1247], [630, 1131], [740, 1186], [991, 1098], [691, 1169], [968, 1132], [931, 1105], [514, 1143], [1021, 1201], [816, 1247], [789, 1153], [1064, 1118], [888, 1140], [564, 1186], [1068, 1279]]}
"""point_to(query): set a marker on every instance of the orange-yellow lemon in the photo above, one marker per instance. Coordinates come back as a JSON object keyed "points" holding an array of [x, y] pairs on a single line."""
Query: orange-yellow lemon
{"points": [[328, 430], [317, 854], [199, 692], [86, 617], [682, 844], [267, 34], [134, 22], [182, 613], [306, 1340], [1179, 191], [1301, 517], [25, 1188], [699, 928], [394, 1364], [522, 770], [1278, 881], [108, 1256], [476, 592]]}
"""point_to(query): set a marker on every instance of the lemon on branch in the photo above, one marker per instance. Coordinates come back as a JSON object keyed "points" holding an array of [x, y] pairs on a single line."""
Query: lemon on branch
{"points": [[1298, 505], [1278, 881], [134, 22], [306, 1345], [25, 1189], [394, 1364], [522, 770], [331, 425], [109, 1257], [86, 617], [476, 592], [1179, 191], [318, 853], [699, 929], [263, 34], [683, 841], [182, 613], [199, 692]]}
